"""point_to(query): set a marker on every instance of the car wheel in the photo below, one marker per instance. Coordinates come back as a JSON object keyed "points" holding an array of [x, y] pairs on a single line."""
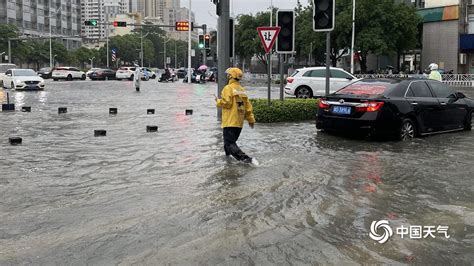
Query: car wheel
{"points": [[153, 77], [304, 92], [69, 77], [407, 130], [468, 122], [83, 77], [55, 79]]}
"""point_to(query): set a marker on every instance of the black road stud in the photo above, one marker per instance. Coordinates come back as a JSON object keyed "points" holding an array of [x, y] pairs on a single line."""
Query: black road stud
{"points": [[189, 112], [100, 133], [151, 128], [26, 109], [15, 140], [8, 107], [113, 111], [62, 110], [150, 111]]}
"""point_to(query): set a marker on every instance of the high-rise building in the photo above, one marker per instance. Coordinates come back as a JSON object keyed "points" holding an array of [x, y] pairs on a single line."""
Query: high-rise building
{"points": [[100, 11], [34, 17]]}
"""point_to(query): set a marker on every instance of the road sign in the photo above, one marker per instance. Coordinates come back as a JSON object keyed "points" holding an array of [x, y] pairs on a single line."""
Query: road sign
{"points": [[114, 54], [168, 60], [268, 35]]}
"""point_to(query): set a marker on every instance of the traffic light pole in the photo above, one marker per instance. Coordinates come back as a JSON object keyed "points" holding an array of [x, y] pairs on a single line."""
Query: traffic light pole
{"points": [[223, 48], [282, 81], [328, 60], [189, 44]]}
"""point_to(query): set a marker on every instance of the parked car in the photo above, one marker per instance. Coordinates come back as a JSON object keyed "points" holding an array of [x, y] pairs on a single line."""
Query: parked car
{"points": [[148, 73], [181, 73], [45, 72], [89, 72], [3, 69], [23, 79], [67, 73], [311, 82], [402, 108], [125, 73], [102, 74]]}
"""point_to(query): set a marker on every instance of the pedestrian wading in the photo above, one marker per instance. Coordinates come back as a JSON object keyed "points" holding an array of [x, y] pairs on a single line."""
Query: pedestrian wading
{"points": [[236, 108]]}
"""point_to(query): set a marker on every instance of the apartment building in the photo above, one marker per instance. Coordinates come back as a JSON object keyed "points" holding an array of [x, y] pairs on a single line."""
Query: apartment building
{"points": [[101, 11], [34, 18]]}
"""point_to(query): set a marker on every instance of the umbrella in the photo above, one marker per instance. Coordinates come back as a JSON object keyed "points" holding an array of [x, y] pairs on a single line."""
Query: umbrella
{"points": [[203, 67]]}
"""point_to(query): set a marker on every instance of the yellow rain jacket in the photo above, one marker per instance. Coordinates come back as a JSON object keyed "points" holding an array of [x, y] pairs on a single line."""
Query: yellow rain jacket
{"points": [[235, 105], [434, 74]]}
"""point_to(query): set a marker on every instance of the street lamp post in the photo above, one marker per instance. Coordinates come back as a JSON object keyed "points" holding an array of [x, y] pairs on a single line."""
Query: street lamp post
{"points": [[1, 57], [353, 35], [164, 53], [189, 44], [50, 34], [141, 46]]}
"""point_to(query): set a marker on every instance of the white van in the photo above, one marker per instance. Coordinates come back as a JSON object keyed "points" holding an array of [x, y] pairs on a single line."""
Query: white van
{"points": [[3, 69]]}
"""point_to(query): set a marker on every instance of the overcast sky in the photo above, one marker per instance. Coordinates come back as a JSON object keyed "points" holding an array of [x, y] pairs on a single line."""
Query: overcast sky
{"points": [[206, 11]]}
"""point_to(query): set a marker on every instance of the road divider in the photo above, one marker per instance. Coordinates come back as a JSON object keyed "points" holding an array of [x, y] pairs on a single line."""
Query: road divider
{"points": [[15, 140], [100, 133], [62, 110], [151, 128]]}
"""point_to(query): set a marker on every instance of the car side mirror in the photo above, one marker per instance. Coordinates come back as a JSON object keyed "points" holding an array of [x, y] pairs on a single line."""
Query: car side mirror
{"points": [[349, 78], [460, 95]]}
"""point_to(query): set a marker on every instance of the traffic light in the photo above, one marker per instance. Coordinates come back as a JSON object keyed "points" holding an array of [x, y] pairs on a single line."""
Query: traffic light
{"points": [[207, 41], [285, 42], [201, 41], [183, 26], [120, 24], [324, 15], [218, 6], [91, 22]]}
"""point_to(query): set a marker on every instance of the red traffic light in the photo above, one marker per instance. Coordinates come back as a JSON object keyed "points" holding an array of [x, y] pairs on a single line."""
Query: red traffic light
{"points": [[120, 24], [207, 37]]}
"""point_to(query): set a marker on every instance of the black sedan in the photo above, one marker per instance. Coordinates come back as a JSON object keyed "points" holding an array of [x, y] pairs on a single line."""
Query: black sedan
{"points": [[403, 108], [45, 72], [102, 74]]}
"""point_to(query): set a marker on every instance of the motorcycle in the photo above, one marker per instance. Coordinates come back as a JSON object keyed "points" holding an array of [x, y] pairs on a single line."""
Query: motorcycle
{"points": [[166, 78]]}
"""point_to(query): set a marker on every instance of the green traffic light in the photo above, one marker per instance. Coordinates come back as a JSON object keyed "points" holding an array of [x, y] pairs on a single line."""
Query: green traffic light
{"points": [[201, 45]]}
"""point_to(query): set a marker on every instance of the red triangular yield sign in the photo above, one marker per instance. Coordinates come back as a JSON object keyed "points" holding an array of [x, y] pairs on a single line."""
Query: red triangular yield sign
{"points": [[268, 35]]}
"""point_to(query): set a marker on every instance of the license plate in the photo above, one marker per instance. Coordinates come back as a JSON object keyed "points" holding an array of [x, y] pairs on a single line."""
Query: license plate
{"points": [[342, 110]]}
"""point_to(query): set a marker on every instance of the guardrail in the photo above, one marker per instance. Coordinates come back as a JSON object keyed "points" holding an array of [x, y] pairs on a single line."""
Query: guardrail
{"points": [[453, 80]]}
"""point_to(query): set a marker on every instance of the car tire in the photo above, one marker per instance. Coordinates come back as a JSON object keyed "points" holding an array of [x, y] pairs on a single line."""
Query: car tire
{"points": [[69, 78], [407, 130], [468, 122], [304, 92], [83, 77], [153, 77], [55, 79]]}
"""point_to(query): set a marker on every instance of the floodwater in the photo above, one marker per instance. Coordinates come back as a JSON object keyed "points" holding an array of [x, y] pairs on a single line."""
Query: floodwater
{"points": [[172, 197]]}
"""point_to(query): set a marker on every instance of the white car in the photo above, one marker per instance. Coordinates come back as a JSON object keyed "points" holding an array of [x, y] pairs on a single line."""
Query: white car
{"points": [[3, 69], [67, 73], [125, 73], [310, 82], [148, 73], [23, 79]]}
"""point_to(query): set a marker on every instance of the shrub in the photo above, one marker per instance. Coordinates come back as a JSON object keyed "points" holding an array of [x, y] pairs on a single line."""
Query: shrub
{"points": [[289, 110]]}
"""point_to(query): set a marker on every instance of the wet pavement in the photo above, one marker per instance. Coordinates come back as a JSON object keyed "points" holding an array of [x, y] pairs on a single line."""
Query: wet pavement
{"points": [[172, 197]]}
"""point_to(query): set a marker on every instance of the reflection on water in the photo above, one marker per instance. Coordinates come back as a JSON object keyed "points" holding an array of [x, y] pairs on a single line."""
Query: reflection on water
{"points": [[173, 196]]}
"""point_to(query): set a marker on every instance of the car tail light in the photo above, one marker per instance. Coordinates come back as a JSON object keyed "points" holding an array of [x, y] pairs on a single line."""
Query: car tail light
{"points": [[369, 107], [290, 79], [323, 104]]}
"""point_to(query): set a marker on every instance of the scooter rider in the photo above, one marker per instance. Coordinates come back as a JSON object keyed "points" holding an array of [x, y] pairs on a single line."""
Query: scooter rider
{"points": [[236, 108]]}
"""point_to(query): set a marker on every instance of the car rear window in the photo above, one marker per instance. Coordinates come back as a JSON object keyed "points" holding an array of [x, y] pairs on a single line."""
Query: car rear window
{"points": [[369, 89], [294, 73]]}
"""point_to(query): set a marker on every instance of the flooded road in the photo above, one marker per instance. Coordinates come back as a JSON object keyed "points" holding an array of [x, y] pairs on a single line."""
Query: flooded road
{"points": [[172, 197]]}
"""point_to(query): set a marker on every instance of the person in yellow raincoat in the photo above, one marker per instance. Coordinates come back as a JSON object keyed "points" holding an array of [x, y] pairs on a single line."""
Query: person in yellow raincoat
{"points": [[236, 108]]}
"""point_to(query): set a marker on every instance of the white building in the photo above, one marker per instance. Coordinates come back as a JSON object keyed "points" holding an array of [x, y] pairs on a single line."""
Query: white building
{"points": [[32, 17], [101, 11]]}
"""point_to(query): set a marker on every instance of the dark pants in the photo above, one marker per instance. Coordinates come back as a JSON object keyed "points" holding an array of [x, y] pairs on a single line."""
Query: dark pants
{"points": [[231, 135]]}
